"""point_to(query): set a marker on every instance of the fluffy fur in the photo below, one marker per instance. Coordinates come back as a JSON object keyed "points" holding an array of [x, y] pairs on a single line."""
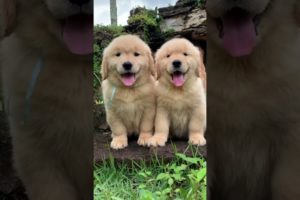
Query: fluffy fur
{"points": [[52, 145], [253, 107], [132, 108], [180, 110]]}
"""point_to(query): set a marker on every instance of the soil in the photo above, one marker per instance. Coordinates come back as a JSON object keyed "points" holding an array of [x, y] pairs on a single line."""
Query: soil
{"points": [[133, 152]]}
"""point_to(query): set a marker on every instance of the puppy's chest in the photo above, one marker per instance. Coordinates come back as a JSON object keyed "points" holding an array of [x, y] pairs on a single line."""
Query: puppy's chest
{"points": [[130, 108], [131, 104], [180, 108], [179, 102]]}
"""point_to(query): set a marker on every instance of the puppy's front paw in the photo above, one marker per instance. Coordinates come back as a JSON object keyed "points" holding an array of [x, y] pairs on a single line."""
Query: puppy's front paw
{"points": [[157, 140], [197, 139], [144, 138], [119, 142]]}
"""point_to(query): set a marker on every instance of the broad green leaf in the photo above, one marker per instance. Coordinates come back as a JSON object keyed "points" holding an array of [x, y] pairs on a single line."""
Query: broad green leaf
{"points": [[162, 176], [170, 181]]}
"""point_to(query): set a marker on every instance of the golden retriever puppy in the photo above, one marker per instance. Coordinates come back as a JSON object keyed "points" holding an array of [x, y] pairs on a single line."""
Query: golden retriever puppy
{"points": [[46, 65], [181, 101], [253, 134], [128, 89]]}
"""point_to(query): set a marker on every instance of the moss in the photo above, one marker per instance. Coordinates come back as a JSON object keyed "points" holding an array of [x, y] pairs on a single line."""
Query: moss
{"points": [[114, 30], [97, 58], [102, 37], [146, 21], [145, 17], [201, 3], [168, 33]]}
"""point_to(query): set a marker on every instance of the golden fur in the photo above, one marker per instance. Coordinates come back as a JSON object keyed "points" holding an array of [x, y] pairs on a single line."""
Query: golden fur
{"points": [[52, 146], [180, 110], [253, 133], [131, 109]]}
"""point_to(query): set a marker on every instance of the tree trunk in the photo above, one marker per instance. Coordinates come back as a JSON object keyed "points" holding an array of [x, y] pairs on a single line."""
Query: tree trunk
{"points": [[113, 12]]}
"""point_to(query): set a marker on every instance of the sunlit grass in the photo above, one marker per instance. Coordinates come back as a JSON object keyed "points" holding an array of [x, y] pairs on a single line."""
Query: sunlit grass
{"points": [[182, 178]]}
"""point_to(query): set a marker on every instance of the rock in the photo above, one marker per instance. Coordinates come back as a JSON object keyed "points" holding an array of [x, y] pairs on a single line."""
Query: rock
{"points": [[195, 19], [103, 38], [175, 23], [181, 7], [186, 18]]}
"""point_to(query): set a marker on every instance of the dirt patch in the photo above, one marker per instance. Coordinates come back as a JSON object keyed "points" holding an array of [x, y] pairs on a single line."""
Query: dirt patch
{"points": [[10, 185], [102, 150], [100, 125]]}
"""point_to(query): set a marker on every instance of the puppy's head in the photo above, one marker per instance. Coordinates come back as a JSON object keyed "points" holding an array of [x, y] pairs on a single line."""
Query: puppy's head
{"points": [[50, 24], [177, 61], [127, 61], [240, 26]]}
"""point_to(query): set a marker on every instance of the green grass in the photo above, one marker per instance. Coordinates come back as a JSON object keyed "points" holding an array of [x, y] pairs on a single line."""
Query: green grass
{"points": [[182, 178]]}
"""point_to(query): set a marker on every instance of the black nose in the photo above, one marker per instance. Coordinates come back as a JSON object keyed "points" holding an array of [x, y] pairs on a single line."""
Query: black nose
{"points": [[127, 65], [176, 63], [79, 2]]}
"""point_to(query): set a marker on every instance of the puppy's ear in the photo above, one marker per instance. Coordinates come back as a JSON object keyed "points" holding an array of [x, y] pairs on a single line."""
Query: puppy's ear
{"points": [[199, 65], [151, 64], [201, 69], [7, 17], [157, 67], [198, 69], [104, 68], [297, 12], [202, 73]]}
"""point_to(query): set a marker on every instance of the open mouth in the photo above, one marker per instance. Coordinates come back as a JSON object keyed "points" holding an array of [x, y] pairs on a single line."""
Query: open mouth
{"points": [[178, 78], [128, 79], [238, 31], [78, 34]]}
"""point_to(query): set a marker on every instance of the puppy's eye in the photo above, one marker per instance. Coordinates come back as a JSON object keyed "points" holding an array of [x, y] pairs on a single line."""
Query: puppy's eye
{"points": [[118, 54], [136, 54], [185, 54], [168, 55]]}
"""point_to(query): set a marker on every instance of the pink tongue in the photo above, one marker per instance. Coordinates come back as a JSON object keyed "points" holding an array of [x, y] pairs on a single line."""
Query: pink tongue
{"points": [[78, 34], [178, 80], [128, 79], [239, 38]]}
